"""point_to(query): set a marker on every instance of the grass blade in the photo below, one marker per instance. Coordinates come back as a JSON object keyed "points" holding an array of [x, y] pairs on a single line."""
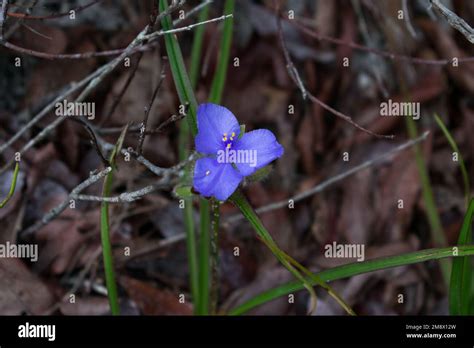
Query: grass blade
{"points": [[12, 185], [461, 272], [178, 70], [217, 87], [105, 231], [352, 269], [460, 287], [186, 96], [434, 221], [292, 265], [454, 146], [204, 253], [205, 221], [184, 137], [196, 50]]}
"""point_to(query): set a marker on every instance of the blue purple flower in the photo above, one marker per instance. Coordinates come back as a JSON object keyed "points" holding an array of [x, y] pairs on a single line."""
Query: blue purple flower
{"points": [[229, 156]]}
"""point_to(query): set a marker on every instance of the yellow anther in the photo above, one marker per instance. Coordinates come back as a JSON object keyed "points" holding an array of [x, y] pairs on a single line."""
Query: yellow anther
{"points": [[233, 134], [224, 139], [229, 145]]}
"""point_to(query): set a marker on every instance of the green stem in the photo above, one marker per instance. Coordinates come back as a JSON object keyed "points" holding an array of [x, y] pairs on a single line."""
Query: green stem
{"points": [[462, 165], [353, 269], [178, 70], [186, 96], [218, 82], [196, 50], [433, 218], [107, 249], [204, 251], [239, 200], [436, 228], [191, 250], [461, 275], [184, 134], [12, 185], [105, 231], [214, 257]]}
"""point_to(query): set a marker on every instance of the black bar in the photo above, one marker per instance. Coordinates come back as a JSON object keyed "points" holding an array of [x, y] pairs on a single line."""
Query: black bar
{"points": [[241, 330]]}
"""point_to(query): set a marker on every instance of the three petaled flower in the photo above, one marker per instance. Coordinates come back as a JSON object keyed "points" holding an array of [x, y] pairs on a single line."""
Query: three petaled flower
{"points": [[230, 156]]}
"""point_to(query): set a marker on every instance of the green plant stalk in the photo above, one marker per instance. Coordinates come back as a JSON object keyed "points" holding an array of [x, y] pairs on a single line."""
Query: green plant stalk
{"points": [[214, 292], [204, 252], [239, 200], [110, 282], [178, 70], [353, 269], [215, 96], [186, 96], [12, 185], [188, 215], [196, 50], [107, 249], [460, 287], [428, 197], [462, 165], [461, 272], [184, 135], [217, 87], [436, 228]]}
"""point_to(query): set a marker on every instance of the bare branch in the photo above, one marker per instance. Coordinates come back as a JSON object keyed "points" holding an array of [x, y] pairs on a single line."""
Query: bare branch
{"points": [[454, 20], [186, 28], [3, 17], [128, 197], [407, 17], [322, 186], [293, 72], [393, 56], [57, 15], [150, 106], [122, 92], [53, 213], [192, 12], [93, 80]]}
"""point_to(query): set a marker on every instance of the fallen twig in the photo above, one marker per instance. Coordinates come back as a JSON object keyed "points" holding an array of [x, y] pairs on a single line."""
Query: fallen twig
{"points": [[322, 186], [454, 20]]}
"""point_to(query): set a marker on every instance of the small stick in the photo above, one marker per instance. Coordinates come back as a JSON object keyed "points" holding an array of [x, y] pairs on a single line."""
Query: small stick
{"points": [[454, 20], [3, 12], [293, 72], [322, 186], [386, 54], [53, 213], [57, 15], [150, 106], [407, 17], [122, 91]]}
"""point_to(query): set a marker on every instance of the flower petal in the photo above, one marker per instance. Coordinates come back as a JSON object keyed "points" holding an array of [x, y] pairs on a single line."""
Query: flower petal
{"points": [[213, 121], [263, 147], [215, 179]]}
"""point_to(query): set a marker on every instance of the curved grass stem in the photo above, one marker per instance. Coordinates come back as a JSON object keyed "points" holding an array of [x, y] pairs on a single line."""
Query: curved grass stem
{"points": [[12, 185], [353, 269]]}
